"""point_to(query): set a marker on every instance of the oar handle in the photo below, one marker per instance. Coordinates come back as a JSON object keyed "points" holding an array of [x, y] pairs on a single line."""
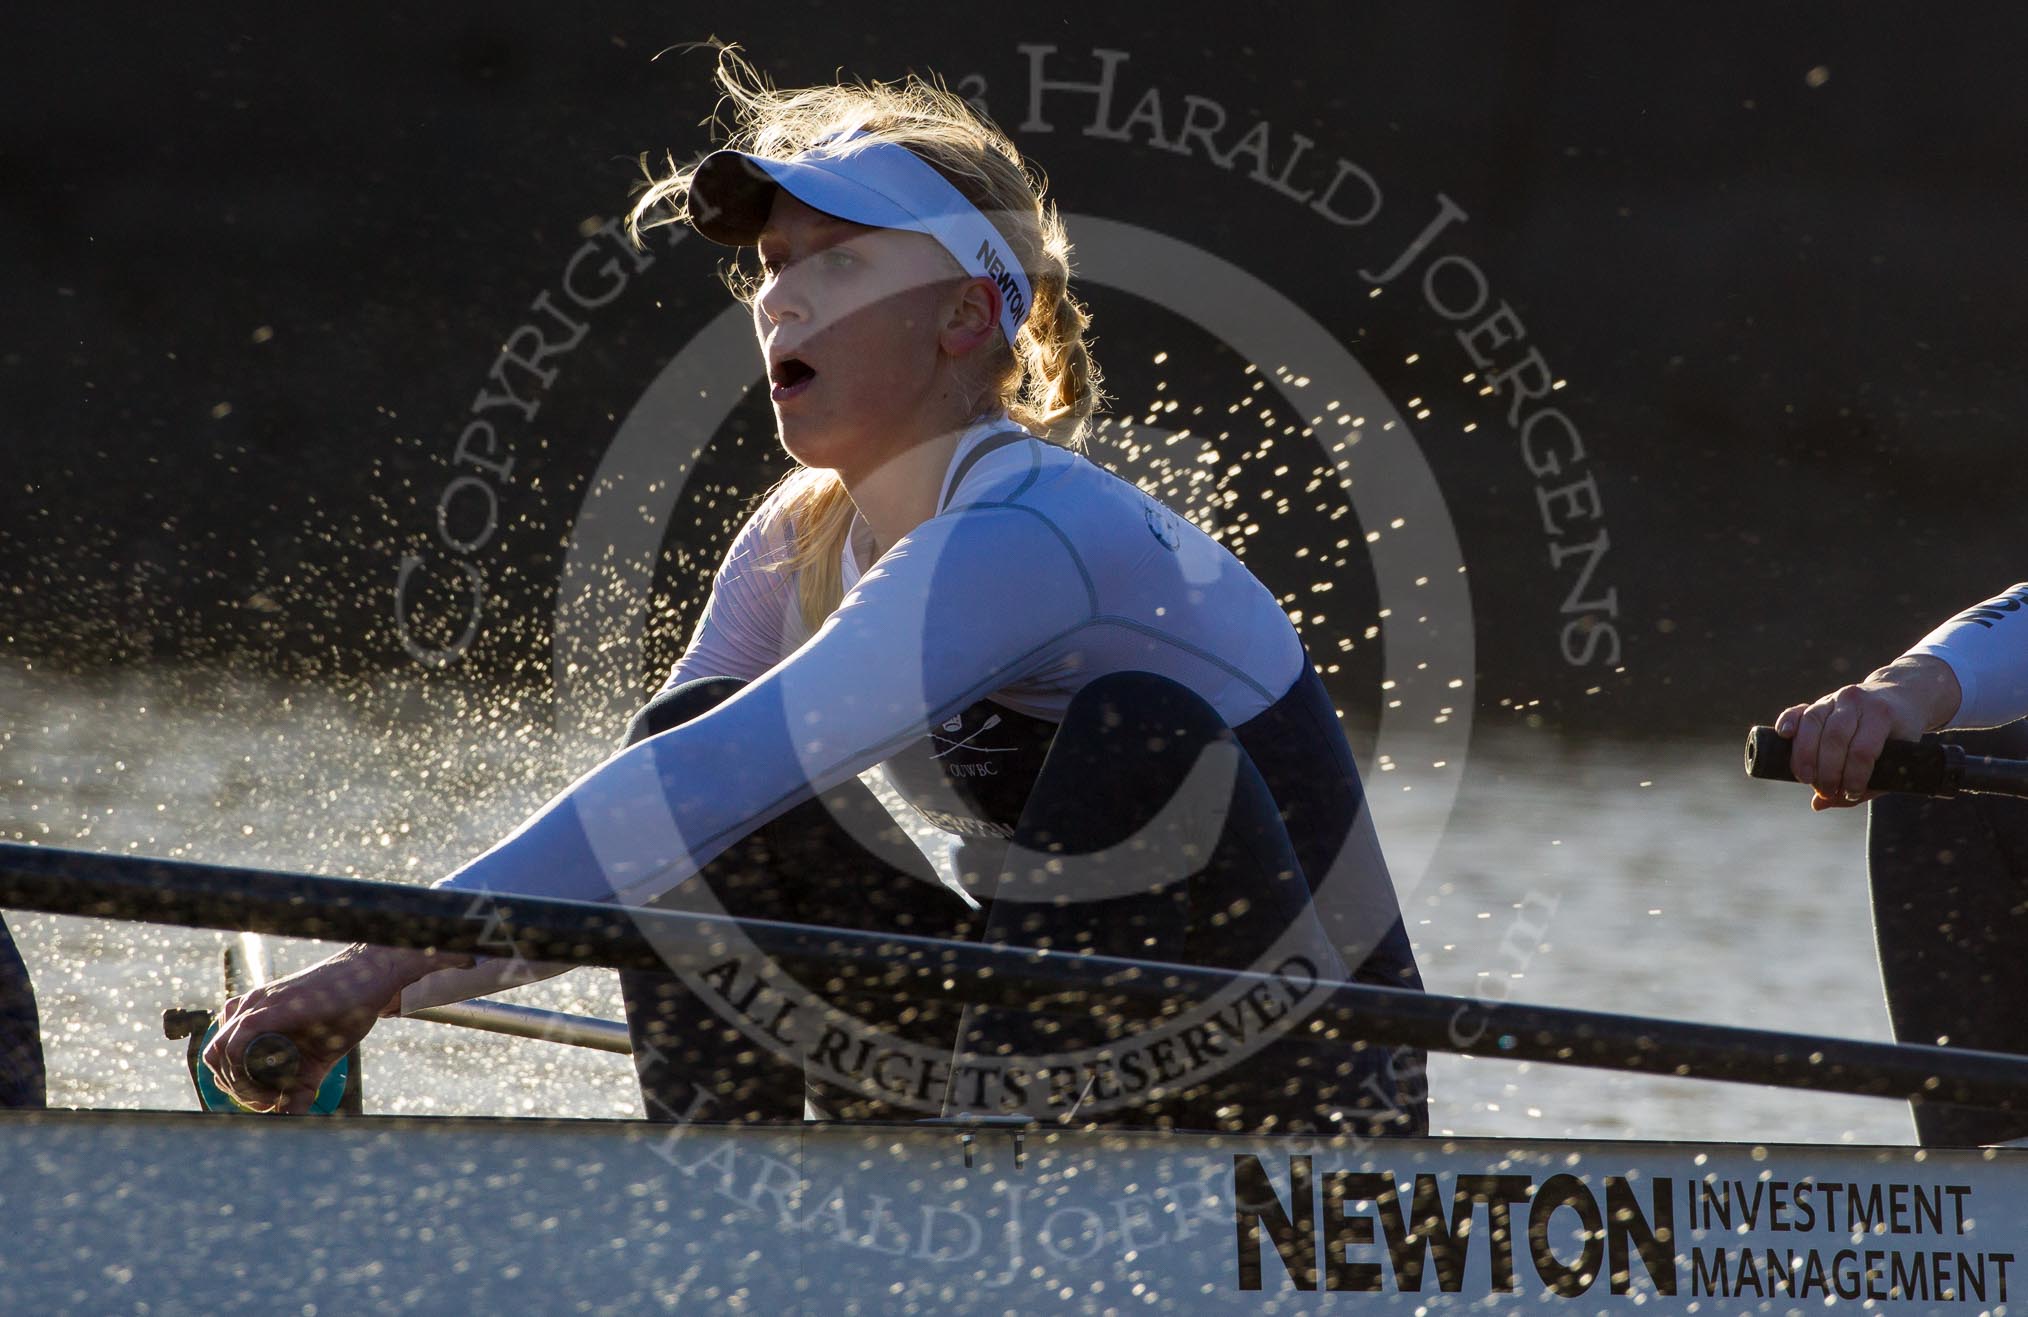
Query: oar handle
{"points": [[272, 1061], [1929, 770]]}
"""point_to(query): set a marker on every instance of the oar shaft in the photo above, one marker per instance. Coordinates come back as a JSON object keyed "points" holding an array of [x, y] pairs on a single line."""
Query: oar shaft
{"points": [[578, 933], [531, 1022]]}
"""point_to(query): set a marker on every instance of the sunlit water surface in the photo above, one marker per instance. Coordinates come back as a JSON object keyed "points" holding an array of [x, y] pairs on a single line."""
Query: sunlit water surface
{"points": [[1642, 877]]}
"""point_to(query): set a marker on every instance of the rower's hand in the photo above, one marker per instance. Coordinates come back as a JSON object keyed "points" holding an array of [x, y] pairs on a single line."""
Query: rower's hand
{"points": [[1838, 737], [324, 1009]]}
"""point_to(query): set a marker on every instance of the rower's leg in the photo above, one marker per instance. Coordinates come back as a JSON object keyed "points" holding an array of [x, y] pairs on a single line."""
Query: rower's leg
{"points": [[1150, 834], [21, 1073], [839, 860], [1950, 916]]}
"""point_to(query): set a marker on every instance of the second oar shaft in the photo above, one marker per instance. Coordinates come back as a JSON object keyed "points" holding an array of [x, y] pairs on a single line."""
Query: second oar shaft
{"points": [[532, 1022]]}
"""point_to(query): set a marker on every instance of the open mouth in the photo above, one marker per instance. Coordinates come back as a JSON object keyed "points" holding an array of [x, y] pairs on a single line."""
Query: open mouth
{"points": [[790, 376]]}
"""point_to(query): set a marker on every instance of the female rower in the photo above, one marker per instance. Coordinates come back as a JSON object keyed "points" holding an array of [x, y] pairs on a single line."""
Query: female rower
{"points": [[1112, 720], [1949, 877]]}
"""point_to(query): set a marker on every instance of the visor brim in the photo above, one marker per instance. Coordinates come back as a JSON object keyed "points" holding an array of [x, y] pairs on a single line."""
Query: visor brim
{"points": [[732, 193]]}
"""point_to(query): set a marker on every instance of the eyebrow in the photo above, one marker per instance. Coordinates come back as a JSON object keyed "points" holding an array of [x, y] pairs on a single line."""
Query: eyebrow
{"points": [[829, 223]]}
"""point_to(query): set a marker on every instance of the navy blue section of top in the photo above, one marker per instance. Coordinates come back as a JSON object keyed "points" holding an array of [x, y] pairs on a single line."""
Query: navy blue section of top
{"points": [[987, 758]]}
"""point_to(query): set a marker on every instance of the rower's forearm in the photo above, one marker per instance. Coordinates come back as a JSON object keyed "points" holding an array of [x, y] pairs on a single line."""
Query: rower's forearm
{"points": [[475, 978], [391, 971], [410, 964], [1927, 683]]}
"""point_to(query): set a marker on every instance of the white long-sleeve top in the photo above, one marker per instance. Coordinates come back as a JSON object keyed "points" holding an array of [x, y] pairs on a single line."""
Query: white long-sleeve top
{"points": [[1986, 647], [1040, 573]]}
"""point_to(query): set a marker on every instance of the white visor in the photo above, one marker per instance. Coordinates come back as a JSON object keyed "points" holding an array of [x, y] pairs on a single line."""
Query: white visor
{"points": [[868, 181]]}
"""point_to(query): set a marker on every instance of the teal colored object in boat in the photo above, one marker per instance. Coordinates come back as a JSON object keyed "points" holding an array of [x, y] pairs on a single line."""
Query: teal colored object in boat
{"points": [[329, 1093]]}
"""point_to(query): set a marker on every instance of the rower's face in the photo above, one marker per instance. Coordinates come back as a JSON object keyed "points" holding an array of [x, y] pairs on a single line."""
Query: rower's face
{"points": [[848, 319]]}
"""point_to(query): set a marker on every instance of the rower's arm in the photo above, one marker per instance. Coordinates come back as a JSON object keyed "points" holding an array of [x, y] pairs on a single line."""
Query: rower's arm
{"points": [[744, 628], [1986, 648], [963, 606], [484, 977]]}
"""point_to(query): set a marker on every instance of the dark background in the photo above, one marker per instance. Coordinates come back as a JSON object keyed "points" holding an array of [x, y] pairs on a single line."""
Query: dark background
{"points": [[257, 263]]}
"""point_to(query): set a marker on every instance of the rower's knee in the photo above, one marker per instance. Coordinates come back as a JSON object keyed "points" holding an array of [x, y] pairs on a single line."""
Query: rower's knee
{"points": [[1143, 713], [673, 708]]}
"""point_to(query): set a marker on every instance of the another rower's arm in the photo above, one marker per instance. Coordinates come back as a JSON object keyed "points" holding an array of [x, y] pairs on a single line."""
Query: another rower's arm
{"points": [[1970, 672], [1986, 650]]}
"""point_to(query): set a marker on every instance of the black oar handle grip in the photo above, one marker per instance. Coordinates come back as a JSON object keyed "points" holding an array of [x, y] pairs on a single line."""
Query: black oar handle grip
{"points": [[272, 1061], [1929, 770]]}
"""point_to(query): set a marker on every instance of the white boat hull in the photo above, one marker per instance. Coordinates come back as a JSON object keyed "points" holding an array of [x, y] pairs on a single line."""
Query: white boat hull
{"points": [[107, 1211]]}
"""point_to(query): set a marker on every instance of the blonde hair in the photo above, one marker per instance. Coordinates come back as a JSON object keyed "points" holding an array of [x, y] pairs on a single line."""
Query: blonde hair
{"points": [[1046, 380]]}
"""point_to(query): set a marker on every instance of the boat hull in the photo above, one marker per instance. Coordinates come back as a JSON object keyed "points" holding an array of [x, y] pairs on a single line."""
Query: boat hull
{"points": [[107, 1211]]}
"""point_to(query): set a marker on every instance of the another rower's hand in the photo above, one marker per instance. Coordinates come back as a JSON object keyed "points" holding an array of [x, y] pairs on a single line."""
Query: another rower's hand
{"points": [[1838, 737], [324, 1009]]}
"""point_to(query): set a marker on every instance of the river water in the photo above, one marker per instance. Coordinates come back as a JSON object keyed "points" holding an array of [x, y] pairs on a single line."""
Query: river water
{"points": [[1642, 877]]}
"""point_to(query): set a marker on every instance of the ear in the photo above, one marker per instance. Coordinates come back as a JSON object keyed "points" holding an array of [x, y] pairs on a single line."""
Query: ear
{"points": [[971, 314]]}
